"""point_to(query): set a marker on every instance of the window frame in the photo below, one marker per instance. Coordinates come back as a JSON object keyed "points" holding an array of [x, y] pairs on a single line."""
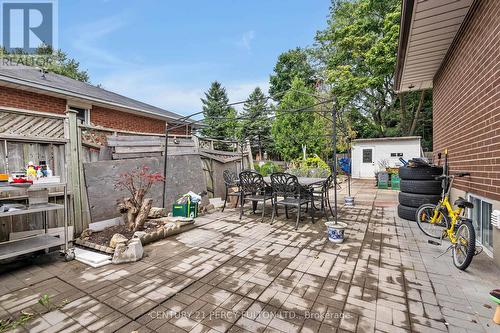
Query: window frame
{"points": [[470, 215], [86, 111]]}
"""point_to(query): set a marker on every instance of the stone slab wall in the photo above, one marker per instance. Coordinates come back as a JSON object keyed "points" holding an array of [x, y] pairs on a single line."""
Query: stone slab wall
{"points": [[184, 174]]}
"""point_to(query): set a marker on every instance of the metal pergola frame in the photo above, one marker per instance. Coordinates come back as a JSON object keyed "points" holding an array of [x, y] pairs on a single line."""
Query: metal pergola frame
{"points": [[334, 113]]}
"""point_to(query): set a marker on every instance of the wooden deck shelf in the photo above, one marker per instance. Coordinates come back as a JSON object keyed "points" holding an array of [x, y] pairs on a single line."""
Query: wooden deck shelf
{"points": [[44, 241]]}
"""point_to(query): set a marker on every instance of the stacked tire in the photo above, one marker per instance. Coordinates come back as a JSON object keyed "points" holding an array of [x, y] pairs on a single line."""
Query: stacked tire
{"points": [[418, 187]]}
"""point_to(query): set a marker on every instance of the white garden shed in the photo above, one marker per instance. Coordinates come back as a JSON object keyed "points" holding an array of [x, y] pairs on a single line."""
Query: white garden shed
{"points": [[372, 155]]}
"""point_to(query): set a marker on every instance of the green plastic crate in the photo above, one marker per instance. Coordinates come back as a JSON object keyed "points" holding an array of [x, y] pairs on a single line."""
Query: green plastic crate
{"points": [[185, 210], [395, 182], [383, 180]]}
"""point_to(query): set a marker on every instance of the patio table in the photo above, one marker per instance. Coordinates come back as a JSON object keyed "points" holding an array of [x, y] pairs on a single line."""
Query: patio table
{"points": [[304, 181]]}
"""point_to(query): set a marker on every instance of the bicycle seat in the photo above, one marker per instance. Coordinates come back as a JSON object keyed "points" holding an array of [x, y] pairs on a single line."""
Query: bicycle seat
{"points": [[462, 203]]}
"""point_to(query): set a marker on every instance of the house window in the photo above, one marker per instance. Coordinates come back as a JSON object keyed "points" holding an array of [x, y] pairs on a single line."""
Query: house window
{"points": [[367, 155], [481, 218], [82, 114]]}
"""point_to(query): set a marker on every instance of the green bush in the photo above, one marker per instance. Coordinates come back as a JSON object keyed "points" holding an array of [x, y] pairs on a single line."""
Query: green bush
{"points": [[267, 168], [310, 167]]}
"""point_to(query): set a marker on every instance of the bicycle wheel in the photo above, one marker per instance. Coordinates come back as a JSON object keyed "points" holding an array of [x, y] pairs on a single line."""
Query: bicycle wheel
{"points": [[424, 216], [463, 250]]}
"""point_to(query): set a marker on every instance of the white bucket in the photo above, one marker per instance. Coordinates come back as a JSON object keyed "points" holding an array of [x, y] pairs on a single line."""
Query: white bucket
{"points": [[336, 231]]}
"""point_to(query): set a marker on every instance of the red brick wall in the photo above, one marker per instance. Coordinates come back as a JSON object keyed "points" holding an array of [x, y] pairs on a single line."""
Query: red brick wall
{"points": [[466, 103], [125, 121], [99, 116], [31, 101]]}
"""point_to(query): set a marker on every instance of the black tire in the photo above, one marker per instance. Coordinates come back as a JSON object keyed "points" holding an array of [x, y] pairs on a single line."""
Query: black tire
{"points": [[407, 213], [417, 200], [424, 173], [469, 250], [421, 186]]}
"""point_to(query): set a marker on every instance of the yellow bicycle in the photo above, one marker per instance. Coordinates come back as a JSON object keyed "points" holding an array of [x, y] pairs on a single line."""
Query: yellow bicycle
{"points": [[444, 221]]}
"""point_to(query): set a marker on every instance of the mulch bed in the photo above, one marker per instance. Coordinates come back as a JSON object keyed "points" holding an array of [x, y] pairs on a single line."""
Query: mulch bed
{"points": [[103, 237]]}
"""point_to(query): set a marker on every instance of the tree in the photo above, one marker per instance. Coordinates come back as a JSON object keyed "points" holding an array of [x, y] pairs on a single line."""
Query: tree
{"points": [[256, 125], [293, 131], [220, 119], [358, 50], [290, 64], [56, 62], [136, 207]]}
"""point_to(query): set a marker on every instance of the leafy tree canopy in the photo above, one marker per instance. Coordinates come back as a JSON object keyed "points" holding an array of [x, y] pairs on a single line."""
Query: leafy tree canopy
{"points": [[290, 64], [358, 49]]}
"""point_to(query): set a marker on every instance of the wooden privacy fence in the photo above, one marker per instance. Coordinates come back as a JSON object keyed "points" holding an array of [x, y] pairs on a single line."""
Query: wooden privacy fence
{"points": [[28, 136], [66, 144]]}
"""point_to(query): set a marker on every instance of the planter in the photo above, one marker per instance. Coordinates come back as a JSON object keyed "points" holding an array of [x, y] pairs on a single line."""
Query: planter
{"points": [[336, 231]]}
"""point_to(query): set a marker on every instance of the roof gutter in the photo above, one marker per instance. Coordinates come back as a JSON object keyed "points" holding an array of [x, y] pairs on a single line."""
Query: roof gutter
{"points": [[404, 35], [76, 95]]}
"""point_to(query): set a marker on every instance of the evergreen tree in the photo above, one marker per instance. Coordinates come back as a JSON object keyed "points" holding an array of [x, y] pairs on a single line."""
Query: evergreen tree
{"points": [[256, 125], [219, 117]]}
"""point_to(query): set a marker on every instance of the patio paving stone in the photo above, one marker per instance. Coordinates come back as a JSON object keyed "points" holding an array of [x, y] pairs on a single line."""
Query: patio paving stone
{"points": [[228, 275]]}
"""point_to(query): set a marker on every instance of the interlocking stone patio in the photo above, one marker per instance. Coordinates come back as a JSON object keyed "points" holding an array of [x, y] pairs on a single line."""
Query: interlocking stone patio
{"points": [[239, 276]]}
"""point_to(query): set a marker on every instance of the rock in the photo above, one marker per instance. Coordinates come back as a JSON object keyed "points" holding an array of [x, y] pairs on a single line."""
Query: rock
{"points": [[132, 251], [157, 212], [175, 219], [86, 234], [117, 239], [139, 234], [170, 225], [147, 238]]}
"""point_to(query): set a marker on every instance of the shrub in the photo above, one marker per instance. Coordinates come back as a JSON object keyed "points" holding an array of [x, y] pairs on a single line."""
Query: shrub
{"points": [[268, 168], [310, 167]]}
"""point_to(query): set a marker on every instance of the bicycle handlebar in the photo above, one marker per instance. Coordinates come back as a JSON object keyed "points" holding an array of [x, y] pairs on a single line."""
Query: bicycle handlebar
{"points": [[460, 174]]}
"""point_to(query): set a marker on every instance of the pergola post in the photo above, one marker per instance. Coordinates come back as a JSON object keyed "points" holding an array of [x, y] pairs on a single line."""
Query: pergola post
{"points": [[164, 201], [334, 167]]}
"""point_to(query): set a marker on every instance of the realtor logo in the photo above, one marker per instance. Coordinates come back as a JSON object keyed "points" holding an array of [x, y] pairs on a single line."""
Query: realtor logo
{"points": [[27, 25]]}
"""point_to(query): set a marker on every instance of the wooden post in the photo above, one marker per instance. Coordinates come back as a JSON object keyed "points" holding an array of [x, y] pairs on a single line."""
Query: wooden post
{"points": [[249, 154], [81, 180], [73, 166]]}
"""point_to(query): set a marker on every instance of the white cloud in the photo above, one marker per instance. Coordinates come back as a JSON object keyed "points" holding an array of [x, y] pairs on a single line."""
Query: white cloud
{"points": [[156, 85], [146, 85], [246, 40]]}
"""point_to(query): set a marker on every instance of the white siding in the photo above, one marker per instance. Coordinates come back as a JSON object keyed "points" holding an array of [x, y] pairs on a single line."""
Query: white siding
{"points": [[382, 150]]}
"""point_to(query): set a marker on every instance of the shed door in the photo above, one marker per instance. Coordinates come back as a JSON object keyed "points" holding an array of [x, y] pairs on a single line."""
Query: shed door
{"points": [[367, 167]]}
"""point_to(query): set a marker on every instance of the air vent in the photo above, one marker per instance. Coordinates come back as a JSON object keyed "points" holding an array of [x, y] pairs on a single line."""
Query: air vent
{"points": [[495, 218]]}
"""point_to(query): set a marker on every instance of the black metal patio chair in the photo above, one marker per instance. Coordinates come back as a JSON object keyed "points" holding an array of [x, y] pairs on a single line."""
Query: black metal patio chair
{"points": [[253, 188], [287, 187], [322, 195], [231, 181]]}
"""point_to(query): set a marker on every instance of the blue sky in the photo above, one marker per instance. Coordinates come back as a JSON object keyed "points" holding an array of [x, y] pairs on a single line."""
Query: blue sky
{"points": [[166, 53]]}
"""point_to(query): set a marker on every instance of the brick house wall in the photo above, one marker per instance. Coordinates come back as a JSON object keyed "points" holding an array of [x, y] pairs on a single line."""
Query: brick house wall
{"points": [[99, 116], [27, 100], [466, 102], [110, 118]]}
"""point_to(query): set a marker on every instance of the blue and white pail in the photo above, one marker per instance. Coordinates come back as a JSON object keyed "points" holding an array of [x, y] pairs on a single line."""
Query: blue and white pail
{"points": [[336, 231]]}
